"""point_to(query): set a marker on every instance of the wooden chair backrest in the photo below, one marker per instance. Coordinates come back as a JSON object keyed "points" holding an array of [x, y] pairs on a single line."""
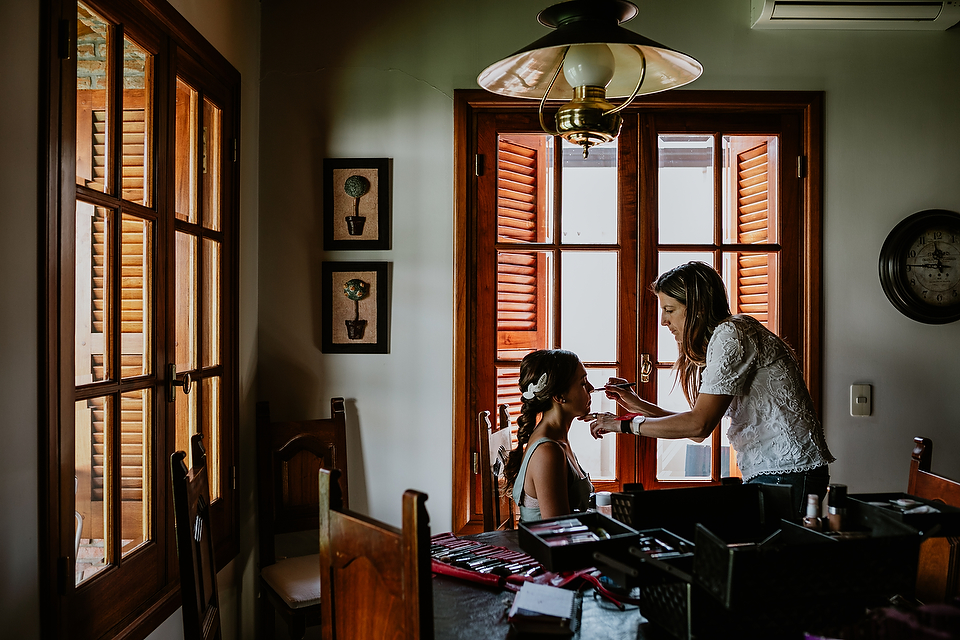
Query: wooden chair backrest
{"points": [[938, 565], [289, 456], [198, 569], [375, 579], [494, 448], [925, 484]]}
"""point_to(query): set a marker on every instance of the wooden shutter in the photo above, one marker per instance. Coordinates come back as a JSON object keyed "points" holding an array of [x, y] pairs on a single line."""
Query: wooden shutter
{"points": [[753, 217], [133, 256], [521, 275]]}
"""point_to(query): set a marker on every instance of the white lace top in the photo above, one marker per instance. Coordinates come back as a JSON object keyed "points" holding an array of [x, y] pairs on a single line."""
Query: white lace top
{"points": [[774, 428]]}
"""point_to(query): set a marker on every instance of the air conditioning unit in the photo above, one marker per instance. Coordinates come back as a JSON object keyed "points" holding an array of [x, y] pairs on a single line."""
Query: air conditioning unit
{"points": [[890, 15]]}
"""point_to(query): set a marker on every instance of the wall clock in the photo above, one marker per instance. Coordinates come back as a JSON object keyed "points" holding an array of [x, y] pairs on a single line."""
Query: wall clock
{"points": [[920, 266]]}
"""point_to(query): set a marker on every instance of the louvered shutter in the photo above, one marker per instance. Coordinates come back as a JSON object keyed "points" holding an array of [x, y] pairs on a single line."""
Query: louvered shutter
{"points": [[521, 298], [751, 290], [521, 275], [133, 254]]}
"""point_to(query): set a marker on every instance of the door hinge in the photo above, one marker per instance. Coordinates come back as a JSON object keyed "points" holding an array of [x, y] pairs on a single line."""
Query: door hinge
{"points": [[476, 463], [62, 564], [478, 165], [64, 50], [801, 166], [236, 153], [233, 477]]}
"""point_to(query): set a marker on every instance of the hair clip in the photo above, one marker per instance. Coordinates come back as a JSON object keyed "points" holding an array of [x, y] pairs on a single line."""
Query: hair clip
{"points": [[535, 387]]}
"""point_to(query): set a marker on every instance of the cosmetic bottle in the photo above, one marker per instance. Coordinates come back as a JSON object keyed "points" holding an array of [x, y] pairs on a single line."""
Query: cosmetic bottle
{"points": [[812, 519], [836, 506], [605, 503]]}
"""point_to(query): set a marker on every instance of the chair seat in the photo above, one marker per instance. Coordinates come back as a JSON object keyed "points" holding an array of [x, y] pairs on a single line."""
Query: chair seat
{"points": [[296, 580]]}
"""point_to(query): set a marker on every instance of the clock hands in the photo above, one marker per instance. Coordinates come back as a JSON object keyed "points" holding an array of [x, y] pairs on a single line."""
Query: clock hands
{"points": [[939, 256]]}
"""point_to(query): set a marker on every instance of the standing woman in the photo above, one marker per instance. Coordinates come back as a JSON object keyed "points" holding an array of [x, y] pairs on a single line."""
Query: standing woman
{"points": [[546, 479], [731, 365]]}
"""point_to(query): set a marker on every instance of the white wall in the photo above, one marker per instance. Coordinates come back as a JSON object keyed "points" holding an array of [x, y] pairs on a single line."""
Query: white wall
{"points": [[19, 226], [376, 80]]}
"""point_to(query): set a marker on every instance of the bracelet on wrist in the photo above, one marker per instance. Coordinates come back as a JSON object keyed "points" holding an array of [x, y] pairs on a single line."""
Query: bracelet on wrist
{"points": [[626, 425]]}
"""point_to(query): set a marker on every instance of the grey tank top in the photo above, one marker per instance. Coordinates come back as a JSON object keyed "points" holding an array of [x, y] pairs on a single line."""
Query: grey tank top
{"points": [[578, 489]]}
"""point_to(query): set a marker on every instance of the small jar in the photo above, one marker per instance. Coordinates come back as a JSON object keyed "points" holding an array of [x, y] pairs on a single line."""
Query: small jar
{"points": [[604, 503]]}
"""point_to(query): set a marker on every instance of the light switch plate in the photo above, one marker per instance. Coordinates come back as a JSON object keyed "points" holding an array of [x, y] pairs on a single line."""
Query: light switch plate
{"points": [[861, 399]]}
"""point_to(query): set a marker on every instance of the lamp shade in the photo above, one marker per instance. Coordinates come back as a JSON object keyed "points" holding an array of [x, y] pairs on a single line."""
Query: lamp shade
{"points": [[528, 72]]}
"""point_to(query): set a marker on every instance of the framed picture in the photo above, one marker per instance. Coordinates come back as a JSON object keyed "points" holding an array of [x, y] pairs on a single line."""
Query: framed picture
{"points": [[354, 303], [356, 203]]}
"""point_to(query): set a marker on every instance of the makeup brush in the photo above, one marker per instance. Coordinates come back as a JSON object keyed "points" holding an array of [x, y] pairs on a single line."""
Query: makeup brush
{"points": [[622, 385]]}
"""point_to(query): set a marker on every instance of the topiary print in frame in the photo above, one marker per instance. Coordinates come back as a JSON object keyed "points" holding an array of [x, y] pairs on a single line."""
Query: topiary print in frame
{"points": [[354, 307], [356, 203]]}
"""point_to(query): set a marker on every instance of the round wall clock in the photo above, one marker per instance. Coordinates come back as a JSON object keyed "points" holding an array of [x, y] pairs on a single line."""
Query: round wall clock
{"points": [[920, 266]]}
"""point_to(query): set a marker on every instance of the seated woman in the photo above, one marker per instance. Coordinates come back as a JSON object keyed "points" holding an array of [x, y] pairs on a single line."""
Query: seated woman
{"points": [[546, 479]]}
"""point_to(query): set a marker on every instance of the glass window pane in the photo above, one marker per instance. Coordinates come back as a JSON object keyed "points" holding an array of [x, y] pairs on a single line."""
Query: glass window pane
{"points": [[728, 457], [524, 318], [508, 393], [524, 187], [685, 179], [588, 304], [679, 459], [186, 153], [93, 293], [186, 275], [186, 408], [667, 350], [597, 457], [137, 146], [92, 460], [136, 282], [211, 303], [211, 165], [94, 154], [750, 197], [210, 400], [135, 456], [589, 195]]}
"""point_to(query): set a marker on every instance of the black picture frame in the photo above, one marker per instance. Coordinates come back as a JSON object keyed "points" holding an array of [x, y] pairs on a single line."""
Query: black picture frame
{"points": [[361, 222], [369, 312]]}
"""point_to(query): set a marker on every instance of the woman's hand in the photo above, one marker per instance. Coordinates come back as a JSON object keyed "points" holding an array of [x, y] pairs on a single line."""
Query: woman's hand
{"points": [[601, 423], [615, 389]]}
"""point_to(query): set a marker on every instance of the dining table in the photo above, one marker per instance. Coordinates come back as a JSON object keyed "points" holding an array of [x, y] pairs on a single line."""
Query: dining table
{"points": [[469, 611]]}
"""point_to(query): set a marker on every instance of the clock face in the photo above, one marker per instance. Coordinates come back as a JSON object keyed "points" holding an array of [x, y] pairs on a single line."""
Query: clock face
{"points": [[920, 266], [932, 265]]}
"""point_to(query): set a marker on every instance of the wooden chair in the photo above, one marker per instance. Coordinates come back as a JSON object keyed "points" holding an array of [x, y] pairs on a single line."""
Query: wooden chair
{"points": [[375, 579], [938, 573], [289, 456], [494, 447], [198, 571]]}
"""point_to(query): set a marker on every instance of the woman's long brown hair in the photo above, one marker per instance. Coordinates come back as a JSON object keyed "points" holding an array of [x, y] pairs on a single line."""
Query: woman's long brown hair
{"points": [[698, 287], [560, 366]]}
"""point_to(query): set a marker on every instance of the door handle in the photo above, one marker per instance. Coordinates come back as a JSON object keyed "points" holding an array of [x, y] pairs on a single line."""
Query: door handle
{"points": [[172, 382], [646, 367]]}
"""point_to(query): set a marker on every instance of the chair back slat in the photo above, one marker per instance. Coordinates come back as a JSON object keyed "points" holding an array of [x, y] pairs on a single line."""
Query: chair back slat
{"points": [[198, 569]]}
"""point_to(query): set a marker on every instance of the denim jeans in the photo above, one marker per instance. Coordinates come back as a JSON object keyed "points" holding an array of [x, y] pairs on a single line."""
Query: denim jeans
{"points": [[801, 484]]}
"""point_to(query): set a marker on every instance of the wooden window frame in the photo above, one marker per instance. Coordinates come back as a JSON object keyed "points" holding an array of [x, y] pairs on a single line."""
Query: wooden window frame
{"points": [[178, 44], [468, 104]]}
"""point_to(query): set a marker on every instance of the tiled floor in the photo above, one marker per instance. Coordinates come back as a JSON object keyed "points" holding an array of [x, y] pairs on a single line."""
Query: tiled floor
{"points": [[90, 558]]}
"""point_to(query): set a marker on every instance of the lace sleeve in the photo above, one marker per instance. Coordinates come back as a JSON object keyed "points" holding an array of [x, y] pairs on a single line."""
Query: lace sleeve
{"points": [[731, 358]]}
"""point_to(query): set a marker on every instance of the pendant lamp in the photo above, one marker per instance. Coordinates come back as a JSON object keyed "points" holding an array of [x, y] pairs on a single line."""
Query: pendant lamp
{"points": [[587, 58]]}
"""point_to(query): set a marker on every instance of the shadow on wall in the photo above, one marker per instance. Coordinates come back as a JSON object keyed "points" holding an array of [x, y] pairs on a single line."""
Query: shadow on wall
{"points": [[293, 393]]}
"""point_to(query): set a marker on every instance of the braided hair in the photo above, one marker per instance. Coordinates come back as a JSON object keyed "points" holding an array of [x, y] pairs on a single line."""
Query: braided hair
{"points": [[555, 368], [698, 287]]}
